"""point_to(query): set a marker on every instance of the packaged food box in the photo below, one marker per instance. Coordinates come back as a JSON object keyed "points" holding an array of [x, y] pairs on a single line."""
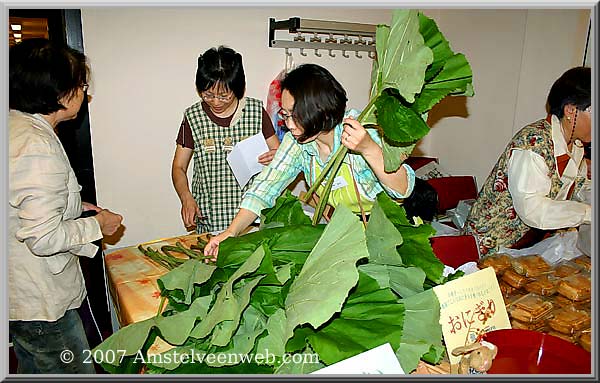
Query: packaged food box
{"points": [[576, 287], [584, 261], [560, 301], [500, 262], [530, 308], [569, 320], [568, 338], [530, 265], [585, 340], [539, 325], [566, 268], [544, 285], [514, 279]]}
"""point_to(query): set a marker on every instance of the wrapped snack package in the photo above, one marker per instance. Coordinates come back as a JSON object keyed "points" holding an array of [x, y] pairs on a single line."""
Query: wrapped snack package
{"points": [[569, 320], [544, 285], [566, 268], [585, 340], [530, 308], [514, 279], [530, 265], [500, 262], [576, 287], [584, 261]]}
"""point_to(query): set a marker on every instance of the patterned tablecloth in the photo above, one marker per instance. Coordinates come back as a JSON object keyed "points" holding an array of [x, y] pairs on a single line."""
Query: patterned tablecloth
{"points": [[132, 279]]}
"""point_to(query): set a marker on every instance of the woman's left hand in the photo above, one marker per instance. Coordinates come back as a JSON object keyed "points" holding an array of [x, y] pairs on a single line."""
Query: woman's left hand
{"points": [[267, 157], [89, 206], [355, 137]]}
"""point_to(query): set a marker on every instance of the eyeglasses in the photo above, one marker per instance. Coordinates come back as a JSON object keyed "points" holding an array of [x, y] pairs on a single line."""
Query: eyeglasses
{"points": [[85, 87], [209, 97], [285, 116]]}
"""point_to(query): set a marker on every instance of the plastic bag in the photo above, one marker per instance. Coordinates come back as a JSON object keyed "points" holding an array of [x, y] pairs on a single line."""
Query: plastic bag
{"points": [[554, 249], [459, 214]]}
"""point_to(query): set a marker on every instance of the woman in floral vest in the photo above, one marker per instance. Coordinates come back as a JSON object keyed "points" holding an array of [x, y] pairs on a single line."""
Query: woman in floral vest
{"points": [[534, 186]]}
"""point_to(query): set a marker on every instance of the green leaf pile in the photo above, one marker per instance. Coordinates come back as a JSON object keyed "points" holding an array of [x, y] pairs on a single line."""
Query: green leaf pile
{"points": [[323, 293]]}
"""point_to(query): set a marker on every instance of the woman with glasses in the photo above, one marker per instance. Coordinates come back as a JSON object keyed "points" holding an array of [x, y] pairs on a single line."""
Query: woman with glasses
{"points": [[208, 132], [314, 110], [534, 186], [46, 235]]}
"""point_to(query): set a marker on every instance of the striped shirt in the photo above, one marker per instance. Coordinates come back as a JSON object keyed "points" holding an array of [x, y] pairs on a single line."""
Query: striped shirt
{"points": [[292, 158]]}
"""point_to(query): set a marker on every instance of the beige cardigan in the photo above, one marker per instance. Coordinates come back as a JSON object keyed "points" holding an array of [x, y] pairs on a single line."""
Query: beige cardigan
{"points": [[44, 239]]}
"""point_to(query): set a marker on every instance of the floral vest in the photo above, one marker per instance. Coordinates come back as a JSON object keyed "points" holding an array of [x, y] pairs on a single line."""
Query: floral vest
{"points": [[214, 186], [493, 218]]}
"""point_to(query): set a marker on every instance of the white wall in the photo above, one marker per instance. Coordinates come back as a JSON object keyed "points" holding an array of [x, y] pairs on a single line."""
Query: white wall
{"points": [[515, 55], [144, 61], [144, 65]]}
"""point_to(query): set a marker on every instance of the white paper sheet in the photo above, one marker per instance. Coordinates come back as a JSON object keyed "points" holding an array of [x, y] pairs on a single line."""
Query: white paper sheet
{"points": [[243, 159], [379, 360]]}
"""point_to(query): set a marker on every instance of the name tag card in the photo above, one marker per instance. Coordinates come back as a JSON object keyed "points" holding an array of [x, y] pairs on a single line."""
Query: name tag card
{"points": [[470, 306]]}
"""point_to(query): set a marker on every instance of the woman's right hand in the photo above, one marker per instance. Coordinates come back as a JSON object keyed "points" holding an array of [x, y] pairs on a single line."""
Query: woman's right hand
{"points": [[212, 247], [189, 212], [109, 221]]}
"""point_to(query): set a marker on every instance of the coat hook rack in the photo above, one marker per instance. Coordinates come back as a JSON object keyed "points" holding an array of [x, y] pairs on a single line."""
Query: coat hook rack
{"points": [[324, 35]]}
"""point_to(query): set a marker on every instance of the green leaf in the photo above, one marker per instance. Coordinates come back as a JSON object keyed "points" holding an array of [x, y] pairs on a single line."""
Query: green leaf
{"points": [[229, 304], [287, 211], [438, 44], [252, 324], [404, 281], [416, 249], [398, 122], [454, 79], [382, 238], [328, 273], [394, 156], [274, 342], [405, 57], [422, 330], [268, 299], [175, 329], [371, 317], [184, 278], [303, 362]]}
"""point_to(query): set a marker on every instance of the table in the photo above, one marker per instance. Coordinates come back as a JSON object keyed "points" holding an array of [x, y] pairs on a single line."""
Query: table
{"points": [[136, 296]]}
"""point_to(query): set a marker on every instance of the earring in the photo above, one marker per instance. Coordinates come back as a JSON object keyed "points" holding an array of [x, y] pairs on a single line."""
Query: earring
{"points": [[568, 118]]}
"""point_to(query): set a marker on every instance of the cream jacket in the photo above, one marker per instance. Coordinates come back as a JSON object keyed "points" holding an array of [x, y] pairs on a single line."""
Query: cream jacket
{"points": [[44, 238]]}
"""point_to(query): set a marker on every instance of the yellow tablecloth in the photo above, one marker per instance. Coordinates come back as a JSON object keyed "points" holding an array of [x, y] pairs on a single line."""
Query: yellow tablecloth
{"points": [[132, 279]]}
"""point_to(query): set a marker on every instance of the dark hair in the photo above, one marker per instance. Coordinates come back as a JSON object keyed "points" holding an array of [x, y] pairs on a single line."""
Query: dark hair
{"points": [[221, 65], [572, 88], [319, 99], [422, 202], [42, 73]]}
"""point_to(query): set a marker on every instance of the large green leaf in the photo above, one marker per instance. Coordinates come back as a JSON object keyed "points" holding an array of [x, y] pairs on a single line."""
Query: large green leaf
{"points": [[394, 156], [399, 123], [422, 330], [405, 57], [371, 317], [328, 274], [274, 342], [175, 329], [416, 249], [404, 281], [304, 362], [229, 304], [382, 239], [184, 277], [438, 44], [287, 211], [455, 79]]}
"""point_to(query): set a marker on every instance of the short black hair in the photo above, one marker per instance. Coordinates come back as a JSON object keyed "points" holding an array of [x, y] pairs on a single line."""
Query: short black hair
{"points": [[572, 88], [42, 73], [221, 65], [422, 202], [319, 99]]}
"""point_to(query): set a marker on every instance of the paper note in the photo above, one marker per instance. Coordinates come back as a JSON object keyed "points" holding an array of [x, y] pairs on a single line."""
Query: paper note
{"points": [[243, 158], [470, 306], [379, 360]]}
